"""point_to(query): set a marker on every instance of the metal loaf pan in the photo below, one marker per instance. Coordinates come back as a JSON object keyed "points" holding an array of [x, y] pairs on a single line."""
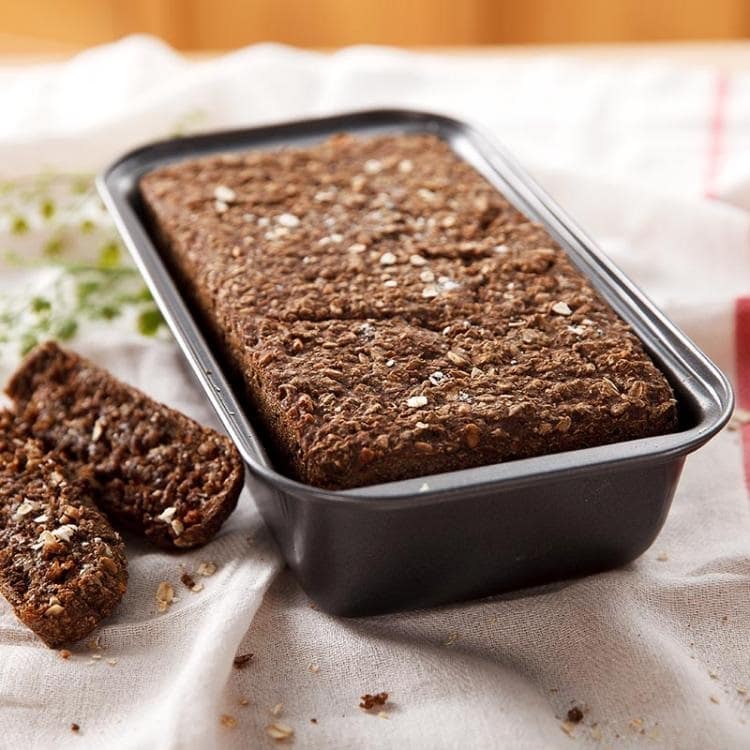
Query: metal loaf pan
{"points": [[438, 539]]}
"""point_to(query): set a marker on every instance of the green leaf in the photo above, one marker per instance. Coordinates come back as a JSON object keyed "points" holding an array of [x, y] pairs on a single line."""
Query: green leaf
{"points": [[53, 247], [28, 342], [12, 258], [19, 225], [88, 226], [149, 321], [81, 184], [109, 254], [129, 298], [144, 295], [40, 304], [108, 312], [85, 289], [66, 329], [47, 208]]}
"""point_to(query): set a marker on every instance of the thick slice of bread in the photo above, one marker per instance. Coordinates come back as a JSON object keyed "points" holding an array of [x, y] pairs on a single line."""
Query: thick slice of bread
{"points": [[156, 471], [62, 566]]}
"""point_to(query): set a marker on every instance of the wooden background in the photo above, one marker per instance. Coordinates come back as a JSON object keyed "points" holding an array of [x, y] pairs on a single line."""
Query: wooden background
{"points": [[223, 24]]}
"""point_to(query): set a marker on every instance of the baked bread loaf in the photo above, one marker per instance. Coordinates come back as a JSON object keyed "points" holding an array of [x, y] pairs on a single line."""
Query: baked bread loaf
{"points": [[155, 471], [392, 315], [62, 566]]}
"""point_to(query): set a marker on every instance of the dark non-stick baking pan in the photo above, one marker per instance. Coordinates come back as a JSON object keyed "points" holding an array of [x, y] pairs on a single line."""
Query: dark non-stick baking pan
{"points": [[452, 536]]}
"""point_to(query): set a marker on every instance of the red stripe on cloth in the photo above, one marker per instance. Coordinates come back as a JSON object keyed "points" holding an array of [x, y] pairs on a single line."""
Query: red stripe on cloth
{"points": [[716, 134], [742, 349]]}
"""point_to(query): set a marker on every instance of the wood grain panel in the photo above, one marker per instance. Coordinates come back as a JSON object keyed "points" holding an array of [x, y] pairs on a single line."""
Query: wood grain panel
{"points": [[224, 24]]}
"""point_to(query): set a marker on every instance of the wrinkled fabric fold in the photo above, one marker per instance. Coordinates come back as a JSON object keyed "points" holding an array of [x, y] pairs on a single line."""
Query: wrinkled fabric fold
{"points": [[654, 652]]}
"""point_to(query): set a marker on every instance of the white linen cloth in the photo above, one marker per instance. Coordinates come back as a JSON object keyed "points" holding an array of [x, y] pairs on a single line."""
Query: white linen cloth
{"points": [[656, 653]]}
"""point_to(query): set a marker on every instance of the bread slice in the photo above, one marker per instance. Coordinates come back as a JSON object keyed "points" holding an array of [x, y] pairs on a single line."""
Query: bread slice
{"points": [[62, 566], [156, 471]]}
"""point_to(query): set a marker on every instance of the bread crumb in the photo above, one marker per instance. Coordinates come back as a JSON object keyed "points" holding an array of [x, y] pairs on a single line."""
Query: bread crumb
{"points": [[228, 721], [164, 596], [568, 728], [713, 699], [662, 557], [64, 653], [575, 715], [369, 701], [451, 639], [244, 702], [277, 710], [207, 569], [74, 727], [279, 731], [242, 660], [188, 581], [314, 668], [112, 662]]}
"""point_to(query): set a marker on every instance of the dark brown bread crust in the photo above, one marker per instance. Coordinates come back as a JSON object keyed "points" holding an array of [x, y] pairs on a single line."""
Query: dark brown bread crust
{"points": [[62, 566], [392, 315], [156, 471]]}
